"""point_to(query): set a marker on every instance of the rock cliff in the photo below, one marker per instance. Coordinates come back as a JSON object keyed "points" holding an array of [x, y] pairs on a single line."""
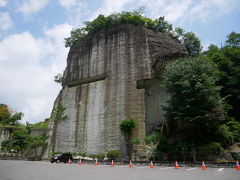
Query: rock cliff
{"points": [[112, 75]]}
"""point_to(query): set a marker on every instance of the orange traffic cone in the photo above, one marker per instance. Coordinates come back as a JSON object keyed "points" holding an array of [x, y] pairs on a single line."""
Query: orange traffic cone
{"points": [[80, 162], [69, 161], [176, 165], [112, 164], [237, 166], [130, 164], [151, 165], [203, 166], [96, 162]]}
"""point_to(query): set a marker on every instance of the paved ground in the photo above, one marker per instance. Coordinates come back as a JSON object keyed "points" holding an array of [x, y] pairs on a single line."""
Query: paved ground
{"points": [[34, 170]]}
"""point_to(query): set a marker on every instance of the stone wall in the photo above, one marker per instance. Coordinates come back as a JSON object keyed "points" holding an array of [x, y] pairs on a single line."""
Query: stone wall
{"points": [[4, 134], [101, 88]]}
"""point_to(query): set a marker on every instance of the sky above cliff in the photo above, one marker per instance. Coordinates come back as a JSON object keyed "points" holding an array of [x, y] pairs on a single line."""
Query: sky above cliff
{"points": [[32, 51]]}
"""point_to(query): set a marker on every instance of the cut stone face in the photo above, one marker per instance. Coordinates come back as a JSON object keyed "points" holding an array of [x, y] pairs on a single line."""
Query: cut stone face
{"points": [[112, 75]]}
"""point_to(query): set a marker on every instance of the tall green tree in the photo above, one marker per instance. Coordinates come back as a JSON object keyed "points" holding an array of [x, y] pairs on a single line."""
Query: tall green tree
{"points": [[227, 59], [195, 98]]}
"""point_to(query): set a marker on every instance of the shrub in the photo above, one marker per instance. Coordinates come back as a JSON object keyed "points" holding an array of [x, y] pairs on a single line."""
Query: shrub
{"points": [[209, 151], [82, 154], [113, 154]]}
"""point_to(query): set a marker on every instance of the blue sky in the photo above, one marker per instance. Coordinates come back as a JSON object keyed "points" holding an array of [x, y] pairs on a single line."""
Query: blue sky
{"points": [[32, 31]]}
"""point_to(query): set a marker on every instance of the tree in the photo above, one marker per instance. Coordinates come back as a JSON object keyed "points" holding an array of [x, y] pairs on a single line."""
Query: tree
{"points": [[35, 142], [6, 145], [15, 118], [161, 25], [192, 43], [195, 98], [4, 114], [233, 40], [7, 117], [20, 140], [75, 36], [126, 127], [227, 59], [189, 40]]}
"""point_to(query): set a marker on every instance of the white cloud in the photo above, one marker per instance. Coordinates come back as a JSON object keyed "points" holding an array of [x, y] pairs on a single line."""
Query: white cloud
{"points": [[3, 3], [109, 6], [68, 3], [5, 21], [207, 10], [28, 66], [177, 11], [75, 11], [32, 6]]}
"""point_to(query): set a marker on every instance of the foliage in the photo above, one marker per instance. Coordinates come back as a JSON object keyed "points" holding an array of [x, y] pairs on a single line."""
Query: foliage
{"points": [[210, 149], [40, 125], [4, 113], [182, 148], [189, 40], [194, 95], [36, 141], [135, 141], [113, 154], [58, 113], [82, 154], [6, 145], [153, 138], [229, 132], [192, 43], [98, 156], [234, 127], [126, 127], [227, 59], [233, 40], [9, 118], [59, 78], [225, 135], [20, 139]]}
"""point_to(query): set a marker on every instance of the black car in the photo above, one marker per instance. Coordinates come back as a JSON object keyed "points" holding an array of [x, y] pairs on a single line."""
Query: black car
{"points": [[61, 158]]}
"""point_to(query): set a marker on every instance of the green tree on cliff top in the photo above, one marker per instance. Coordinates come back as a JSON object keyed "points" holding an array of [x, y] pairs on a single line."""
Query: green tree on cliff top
{"points": [[189, 39]]}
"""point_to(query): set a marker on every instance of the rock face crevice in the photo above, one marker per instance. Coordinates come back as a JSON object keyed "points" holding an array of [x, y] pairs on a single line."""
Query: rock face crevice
{"points": [[101, 88]]}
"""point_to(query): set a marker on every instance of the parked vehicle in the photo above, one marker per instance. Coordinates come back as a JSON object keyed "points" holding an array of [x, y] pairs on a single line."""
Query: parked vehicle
{"points": [[61, 158]]}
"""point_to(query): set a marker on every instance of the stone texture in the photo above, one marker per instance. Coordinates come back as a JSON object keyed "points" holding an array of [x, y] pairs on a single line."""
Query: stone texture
{"points": [[110, 76], [5, 134]]}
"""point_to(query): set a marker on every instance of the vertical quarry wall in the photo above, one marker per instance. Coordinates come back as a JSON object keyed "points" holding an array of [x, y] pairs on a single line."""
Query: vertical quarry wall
{"points": [[110, 76]]}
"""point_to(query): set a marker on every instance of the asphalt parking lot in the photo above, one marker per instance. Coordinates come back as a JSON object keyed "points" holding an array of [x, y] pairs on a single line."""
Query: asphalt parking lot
{"points": [[40, 170]]}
